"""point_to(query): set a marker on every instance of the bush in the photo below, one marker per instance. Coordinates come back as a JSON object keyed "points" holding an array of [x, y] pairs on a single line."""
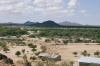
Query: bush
{"points": [[30, 44], [33, 50], [6, 49], [47, 40], [33, 46], [37, 53], [25, 57], [33, 58], [18, 53], [75, 53], [44, 48], [32, 36], [39, 64], [23, 50]]}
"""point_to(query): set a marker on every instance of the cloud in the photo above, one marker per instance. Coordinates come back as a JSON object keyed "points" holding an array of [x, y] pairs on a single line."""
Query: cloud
{"points": [[35, 7], [52, 7], [73, 4], [16, 7], [48, 3], [83, 11]]}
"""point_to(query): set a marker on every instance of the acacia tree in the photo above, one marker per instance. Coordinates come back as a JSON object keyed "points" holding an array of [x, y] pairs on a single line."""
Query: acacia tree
{"points": [[75, 53], [6, 49], [25, 57], [97, 53], [64, 64], [84, 53], [39, 64], [88, 54], [44, 48], [33, 50], [23, 50], [65, 42], [72, 62], [18, 53], [33, 58]]}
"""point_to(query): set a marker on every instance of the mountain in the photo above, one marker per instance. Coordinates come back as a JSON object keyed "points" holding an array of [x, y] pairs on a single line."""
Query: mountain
{"points": [[48, 23], [28, 23], [70, 23]]}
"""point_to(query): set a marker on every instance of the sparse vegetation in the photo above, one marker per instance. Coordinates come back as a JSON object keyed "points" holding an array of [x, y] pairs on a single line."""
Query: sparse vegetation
{"points": [[23, 50], [75, 53], [33, 58], [18, 53], [97, 53]]}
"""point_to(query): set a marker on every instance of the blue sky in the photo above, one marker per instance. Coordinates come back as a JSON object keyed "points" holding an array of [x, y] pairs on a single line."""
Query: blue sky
{"points": [[79, 11]]}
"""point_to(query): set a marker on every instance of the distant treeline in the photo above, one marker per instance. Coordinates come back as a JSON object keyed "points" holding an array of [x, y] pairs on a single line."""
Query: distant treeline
{"points": [[50, 26]]}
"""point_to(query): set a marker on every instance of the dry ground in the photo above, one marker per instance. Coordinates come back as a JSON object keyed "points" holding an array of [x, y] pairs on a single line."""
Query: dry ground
{"points": [[66, 52]]}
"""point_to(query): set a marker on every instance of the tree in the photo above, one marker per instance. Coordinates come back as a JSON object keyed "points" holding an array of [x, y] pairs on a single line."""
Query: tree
{"points": [[30, 44], [18, 36], [75, 53], [97, 53], [27, 63], [37, 53], [51, 63], [47, 40], [34, 46], [71, 62], [6, 49], [88, 54], [23, 50], [18, 53], [33, 50], [25, 57], [84, 53], [65, 42], [64, 64], [33, 58], [39, 64], [44, 48], [44, 58]]}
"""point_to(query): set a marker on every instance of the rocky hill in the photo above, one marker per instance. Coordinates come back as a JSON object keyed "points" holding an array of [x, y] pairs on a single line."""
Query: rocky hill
{"points": [[48, 23], [28, 22]]}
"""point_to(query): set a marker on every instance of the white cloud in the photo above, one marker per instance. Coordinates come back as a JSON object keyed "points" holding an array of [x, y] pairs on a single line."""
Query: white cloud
{"points": [[52, 7], [49, 3], [16, 7], [83, 11], [35, 7], [73, 4]]}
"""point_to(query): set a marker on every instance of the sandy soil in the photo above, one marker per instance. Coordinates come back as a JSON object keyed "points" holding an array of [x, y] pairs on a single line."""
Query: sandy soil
{"points": [[65, 52]]}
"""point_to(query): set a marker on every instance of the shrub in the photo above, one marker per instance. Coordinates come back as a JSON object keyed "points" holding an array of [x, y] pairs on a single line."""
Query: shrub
{"points": [[6, 49], [75, 53], [33, 58], [44, 48], [39, 64], [47, 40], [33, 50], [37, 53], [23, 50], [18, 53]]}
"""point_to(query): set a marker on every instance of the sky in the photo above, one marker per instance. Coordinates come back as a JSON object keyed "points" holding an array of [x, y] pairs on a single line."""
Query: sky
{"points": [[79, 11]]}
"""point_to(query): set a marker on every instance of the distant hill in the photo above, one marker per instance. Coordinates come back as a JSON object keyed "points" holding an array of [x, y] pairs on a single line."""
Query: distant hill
{"points": [[28, 22], [48, 23], [69, 23]]}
